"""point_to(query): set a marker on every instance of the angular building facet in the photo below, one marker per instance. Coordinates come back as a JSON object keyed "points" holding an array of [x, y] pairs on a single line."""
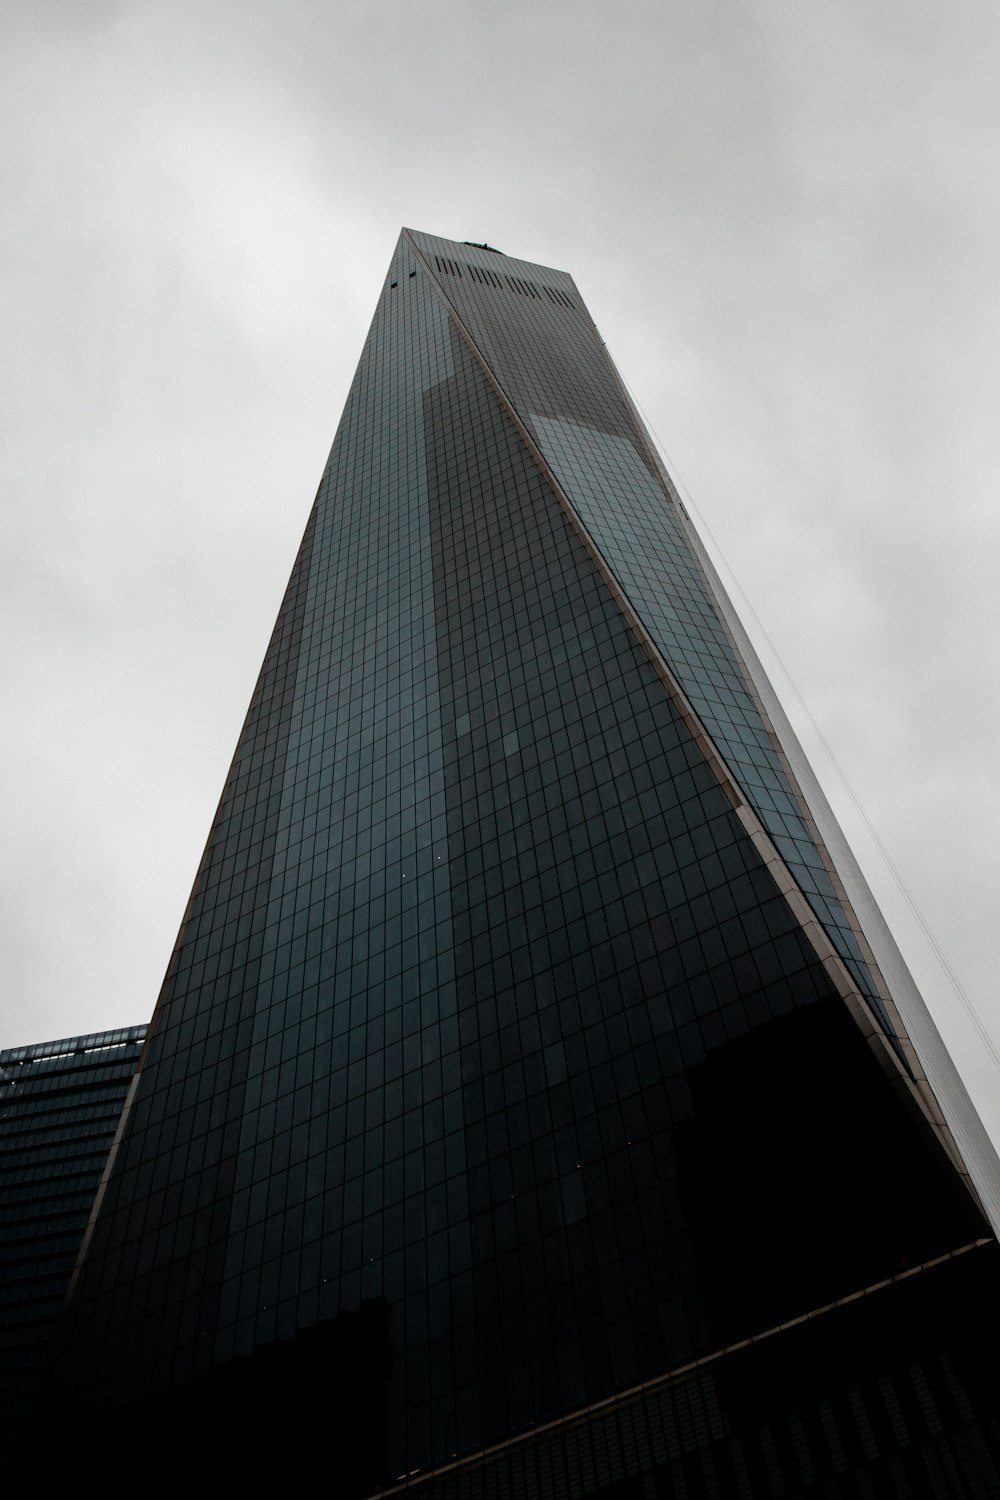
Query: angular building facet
{"points": [[528, 1108]]}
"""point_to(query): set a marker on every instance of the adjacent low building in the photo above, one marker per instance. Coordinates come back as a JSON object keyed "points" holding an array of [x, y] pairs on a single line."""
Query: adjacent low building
{"points": [[60, 1103]]}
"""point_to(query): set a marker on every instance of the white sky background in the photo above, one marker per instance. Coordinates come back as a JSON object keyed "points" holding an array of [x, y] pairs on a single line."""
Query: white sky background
{"points": [[784, 216]]}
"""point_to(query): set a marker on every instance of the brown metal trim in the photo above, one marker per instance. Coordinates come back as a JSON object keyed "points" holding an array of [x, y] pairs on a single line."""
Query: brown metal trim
{"points": [[408, 1483], [917, 1089]]}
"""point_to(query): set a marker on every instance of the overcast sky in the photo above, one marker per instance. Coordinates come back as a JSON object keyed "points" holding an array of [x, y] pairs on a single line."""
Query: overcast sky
{"points": [[784, 216]]}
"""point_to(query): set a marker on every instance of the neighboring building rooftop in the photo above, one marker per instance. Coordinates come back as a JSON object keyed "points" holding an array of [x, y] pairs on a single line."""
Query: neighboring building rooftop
{"points": [[59, 1107]]}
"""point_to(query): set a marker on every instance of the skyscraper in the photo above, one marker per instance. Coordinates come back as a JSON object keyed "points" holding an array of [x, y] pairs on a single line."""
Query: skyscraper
{"points": [[526, 1109]]}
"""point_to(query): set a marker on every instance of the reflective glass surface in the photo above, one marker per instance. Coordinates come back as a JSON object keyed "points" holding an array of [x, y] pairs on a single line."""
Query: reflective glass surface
{"points": [[532, 328], [492, 1072]]}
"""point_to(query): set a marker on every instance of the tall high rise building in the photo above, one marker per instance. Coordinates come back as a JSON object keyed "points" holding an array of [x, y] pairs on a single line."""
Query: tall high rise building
{"points": [[535, 1103]]}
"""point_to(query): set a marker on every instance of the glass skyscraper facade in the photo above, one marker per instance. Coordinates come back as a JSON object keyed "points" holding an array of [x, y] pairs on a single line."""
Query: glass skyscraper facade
{"points": [[526, 1109], [60, 1104]]}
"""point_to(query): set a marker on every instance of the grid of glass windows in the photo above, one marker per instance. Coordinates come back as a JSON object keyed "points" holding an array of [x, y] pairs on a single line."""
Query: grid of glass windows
{"points": [[487, 1027], [551, 362], [59, 1108]]}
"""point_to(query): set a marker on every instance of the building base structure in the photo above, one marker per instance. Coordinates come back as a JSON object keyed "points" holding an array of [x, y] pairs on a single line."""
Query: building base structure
{"points": [[880, 1397], [889, 1394]]}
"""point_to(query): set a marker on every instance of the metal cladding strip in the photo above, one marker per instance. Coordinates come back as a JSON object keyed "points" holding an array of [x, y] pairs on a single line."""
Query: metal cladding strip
{"points": [[787, 885], [757, 685], [103, 1184], [576, 397], [934, 1072]]}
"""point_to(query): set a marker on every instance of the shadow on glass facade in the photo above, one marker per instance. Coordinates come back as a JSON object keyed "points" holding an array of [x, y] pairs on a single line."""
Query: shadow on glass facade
{"points": [[519, 1069]]}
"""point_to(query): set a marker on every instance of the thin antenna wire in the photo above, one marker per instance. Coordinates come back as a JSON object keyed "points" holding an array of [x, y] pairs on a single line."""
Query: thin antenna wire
{"points": [[859, 807]]}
